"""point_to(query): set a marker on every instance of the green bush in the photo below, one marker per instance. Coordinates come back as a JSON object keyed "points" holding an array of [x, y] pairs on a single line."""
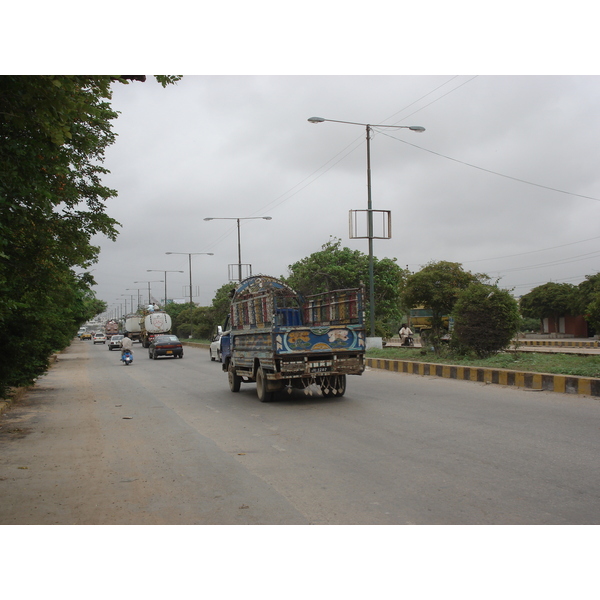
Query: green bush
{"points": [[529, 324], [184, 331], [486, 320]]}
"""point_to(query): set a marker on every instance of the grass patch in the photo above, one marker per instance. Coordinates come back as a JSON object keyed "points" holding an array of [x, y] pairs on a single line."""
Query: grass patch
{"points": [[533, 362]]}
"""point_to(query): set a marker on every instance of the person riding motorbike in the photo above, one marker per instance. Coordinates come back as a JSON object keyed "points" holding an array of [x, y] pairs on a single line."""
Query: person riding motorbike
{"points": [[126, 345], [405, 334]]}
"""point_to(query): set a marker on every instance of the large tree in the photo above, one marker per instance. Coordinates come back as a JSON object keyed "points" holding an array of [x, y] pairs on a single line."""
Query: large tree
{"points": [[587, 300], [337, 267], [550, 301], [53, 134], [436, 287]]}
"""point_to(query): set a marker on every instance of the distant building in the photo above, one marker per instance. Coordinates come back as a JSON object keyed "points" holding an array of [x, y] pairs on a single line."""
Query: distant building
{"points": [[569, 326]]}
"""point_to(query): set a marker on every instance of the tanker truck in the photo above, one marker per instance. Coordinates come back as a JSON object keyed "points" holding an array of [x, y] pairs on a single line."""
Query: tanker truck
{"points": [[132, 327], [153, 324]]}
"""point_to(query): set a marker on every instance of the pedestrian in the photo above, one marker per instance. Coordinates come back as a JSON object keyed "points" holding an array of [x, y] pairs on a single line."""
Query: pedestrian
{"points": [[405, 335]]}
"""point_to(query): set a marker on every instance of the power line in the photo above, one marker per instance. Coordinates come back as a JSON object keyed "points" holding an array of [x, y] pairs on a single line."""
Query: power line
{"points": [[462, 162], [531, 251], [562, 261]]}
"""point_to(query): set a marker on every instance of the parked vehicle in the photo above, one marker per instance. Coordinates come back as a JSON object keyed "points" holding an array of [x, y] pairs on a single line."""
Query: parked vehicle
{"points": [[280, 340], [116, 341], [99, 338], [132, 327], [153, 324], [215, 347], [127, 357], [420, 321], [165, 345]]}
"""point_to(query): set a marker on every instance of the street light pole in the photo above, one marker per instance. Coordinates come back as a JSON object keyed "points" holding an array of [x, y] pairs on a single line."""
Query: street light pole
{"points": [[149, 282], [165, 272], [138, 297], [189, 254], [238, 219], [369, 128]]}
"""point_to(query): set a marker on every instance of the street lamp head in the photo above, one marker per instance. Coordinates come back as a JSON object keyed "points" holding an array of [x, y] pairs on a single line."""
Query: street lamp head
{"points": [[417, 128], [316, 120], [188, 253], [233, 219]]}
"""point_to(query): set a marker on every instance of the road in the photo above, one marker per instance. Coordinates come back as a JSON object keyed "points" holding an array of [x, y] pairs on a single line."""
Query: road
{"points": [[166, 442]]}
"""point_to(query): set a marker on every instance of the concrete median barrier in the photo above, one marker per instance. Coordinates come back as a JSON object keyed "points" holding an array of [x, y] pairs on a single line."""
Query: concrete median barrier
{"points": [[564, 384]]}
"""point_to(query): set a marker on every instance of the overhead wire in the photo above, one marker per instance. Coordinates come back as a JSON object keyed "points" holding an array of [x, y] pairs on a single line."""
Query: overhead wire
{"points": [[462, 162], [356, 143], [310, 179], [531, 251]]}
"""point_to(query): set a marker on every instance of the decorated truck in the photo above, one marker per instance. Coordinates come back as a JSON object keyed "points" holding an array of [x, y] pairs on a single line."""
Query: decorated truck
{"points": [[152, 324], [111, 328], [275, 337]]}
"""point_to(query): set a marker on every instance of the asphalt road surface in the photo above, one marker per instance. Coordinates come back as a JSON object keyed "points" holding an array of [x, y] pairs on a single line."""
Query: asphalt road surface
{"points": [[165, 442]]}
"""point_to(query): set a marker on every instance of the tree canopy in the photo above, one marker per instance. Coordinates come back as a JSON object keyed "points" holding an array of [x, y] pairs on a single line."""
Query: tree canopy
{"points": [[436, 287], [551, 300], [54, 131], [337, 267]]}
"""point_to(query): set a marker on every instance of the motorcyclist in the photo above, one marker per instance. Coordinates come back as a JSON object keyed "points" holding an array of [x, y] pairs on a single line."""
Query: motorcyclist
{"points": [[126, 345], [405, 334]]}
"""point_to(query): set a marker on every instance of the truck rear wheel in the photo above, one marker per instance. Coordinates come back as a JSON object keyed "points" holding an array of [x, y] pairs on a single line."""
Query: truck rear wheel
{"points": [[235, 380], [261, 387]]}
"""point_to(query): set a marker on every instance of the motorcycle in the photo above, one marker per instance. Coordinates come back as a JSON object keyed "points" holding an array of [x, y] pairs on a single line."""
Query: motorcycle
{"points": [[127, 357]]}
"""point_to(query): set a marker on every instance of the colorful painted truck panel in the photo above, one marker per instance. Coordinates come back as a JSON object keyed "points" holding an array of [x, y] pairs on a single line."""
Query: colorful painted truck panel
{"points": [[281, 340]]}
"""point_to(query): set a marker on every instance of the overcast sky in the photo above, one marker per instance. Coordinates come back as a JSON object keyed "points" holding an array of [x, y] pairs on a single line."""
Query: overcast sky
{"points": [[504, 180]]}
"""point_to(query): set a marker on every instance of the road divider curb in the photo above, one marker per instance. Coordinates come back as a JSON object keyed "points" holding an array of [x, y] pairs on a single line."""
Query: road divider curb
{"points": [[564, 384], [561, 343]]}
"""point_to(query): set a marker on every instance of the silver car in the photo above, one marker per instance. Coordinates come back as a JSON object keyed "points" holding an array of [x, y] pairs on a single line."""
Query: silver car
{"points": [[116, 341], [215, 348]]}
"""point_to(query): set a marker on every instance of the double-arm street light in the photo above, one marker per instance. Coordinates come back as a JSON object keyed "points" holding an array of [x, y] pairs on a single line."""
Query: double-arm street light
{"points": [[238, 219], [138, 297], [370, 235], [149, 282], [189, 255], [131, 307], [165, 272]]}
